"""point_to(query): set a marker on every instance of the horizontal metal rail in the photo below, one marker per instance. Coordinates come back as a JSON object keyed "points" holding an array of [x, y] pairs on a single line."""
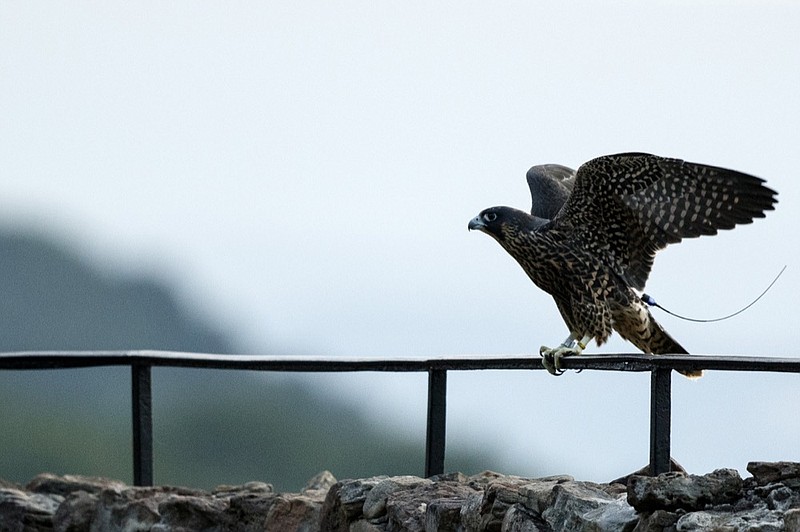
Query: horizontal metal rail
{"points": [[141, 363], [23, 360]]}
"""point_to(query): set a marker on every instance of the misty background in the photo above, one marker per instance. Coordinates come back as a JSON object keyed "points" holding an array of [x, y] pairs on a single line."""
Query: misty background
{"points": [[296, 178]]}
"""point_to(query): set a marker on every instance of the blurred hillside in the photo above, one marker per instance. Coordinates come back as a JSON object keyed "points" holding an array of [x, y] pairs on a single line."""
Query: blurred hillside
{"points": [[211, 427]]}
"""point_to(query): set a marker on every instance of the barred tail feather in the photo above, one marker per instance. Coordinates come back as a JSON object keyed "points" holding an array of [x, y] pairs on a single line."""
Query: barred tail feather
{"points": [[661, 343]]}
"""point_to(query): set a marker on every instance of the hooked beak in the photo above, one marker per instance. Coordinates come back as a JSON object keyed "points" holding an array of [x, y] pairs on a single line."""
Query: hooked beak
{"points": [[476, 223]]}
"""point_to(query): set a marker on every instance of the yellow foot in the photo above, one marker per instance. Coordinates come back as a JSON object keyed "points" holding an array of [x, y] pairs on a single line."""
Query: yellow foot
{"points": [[551, 358]]}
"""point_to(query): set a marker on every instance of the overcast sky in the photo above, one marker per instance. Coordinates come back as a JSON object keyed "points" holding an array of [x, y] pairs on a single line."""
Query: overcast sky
{"points": [[303, 173]]}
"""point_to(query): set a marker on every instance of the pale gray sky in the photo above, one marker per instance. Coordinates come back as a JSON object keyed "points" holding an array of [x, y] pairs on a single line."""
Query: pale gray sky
{"points": [[305, 171]]}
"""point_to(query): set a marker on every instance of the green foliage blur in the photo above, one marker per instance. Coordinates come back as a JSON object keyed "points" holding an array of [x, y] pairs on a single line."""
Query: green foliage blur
{"points": [[210, 427]]}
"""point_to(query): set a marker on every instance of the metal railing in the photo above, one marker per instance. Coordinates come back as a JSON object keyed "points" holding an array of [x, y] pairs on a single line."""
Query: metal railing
{"points": [[141, 363]]}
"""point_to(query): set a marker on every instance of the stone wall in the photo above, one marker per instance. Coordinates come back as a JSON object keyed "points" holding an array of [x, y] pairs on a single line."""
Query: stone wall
{"points": [[721, 500]]}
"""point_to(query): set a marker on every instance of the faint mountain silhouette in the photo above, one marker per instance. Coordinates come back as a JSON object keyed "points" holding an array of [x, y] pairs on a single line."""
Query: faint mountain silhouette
{"points": [[210, 427]]}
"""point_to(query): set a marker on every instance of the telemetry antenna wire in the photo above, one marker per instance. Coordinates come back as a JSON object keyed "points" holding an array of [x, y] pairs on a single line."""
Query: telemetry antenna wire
{"points": [[652, 302]]}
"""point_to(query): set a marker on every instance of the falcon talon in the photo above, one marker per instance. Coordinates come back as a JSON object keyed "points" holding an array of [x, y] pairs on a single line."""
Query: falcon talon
{"points": [[549, 364], [591, 237], [551, 358]]}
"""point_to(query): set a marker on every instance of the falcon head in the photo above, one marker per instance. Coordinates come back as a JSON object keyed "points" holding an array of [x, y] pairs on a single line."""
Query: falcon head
{"points": [[504, 223]]}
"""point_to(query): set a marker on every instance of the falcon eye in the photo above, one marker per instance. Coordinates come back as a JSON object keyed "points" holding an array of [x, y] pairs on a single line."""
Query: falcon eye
{"points": [[490, 216]]}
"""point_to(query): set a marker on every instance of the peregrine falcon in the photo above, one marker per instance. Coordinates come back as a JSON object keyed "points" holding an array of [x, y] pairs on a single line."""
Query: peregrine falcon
{"points": [[592, 235]]}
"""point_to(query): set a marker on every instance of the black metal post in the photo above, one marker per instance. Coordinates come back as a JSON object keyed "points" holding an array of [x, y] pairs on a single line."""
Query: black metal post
{"points": [[437, 422], [660, 420], [142, 403]]}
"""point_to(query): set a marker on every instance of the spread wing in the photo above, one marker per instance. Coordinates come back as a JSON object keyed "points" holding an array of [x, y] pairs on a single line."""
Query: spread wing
{"points": [[550, 186], [631, 205]]}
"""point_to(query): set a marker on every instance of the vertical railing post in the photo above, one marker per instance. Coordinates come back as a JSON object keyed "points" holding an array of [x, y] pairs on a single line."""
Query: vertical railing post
{"points": [[437, 422], [142, 402], [660, 420]]}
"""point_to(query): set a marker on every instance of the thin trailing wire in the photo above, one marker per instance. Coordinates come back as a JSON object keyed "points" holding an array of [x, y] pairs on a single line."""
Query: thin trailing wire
{"points": [[652, 302]]}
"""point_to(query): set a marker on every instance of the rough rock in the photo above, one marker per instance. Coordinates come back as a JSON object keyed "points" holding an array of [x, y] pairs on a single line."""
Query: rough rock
{"points": [[319, 484], [444, 514], [375, 501], [791, 520], [657, 521], [224, 490], [344, 503], [721, 520], [23, 511], [520, 518], [300, 512], [191, 513], [470, 514], [755, 506], [294, 514], [75, 513], [396, 503], [645, 471], [249, 504], [498, 496], [671, 491], [770, 472], [537, 492], [408, 510], [130, 508], [56, 485], [5, 484], [589, 507], [768, 501]]}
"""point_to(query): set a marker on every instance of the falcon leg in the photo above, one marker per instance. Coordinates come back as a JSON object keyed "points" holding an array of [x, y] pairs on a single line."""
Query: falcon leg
{"points": [[551, 358]]}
